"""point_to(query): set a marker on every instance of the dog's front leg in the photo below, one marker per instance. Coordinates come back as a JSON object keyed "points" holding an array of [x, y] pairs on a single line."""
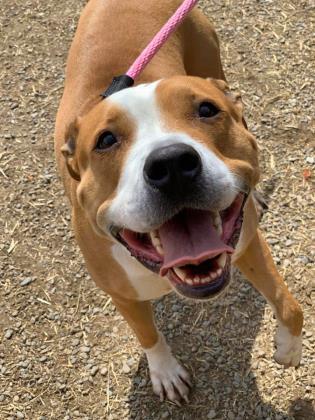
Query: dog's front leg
{"points": [[168, 377], [257, 265]]}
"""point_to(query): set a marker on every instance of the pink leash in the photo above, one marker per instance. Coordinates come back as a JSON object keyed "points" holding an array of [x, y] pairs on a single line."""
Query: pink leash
{"points": [[160, 38], [127, 80]]}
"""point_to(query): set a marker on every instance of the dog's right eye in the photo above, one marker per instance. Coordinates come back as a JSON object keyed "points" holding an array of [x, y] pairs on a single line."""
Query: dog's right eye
{"points": [[105, 141]]}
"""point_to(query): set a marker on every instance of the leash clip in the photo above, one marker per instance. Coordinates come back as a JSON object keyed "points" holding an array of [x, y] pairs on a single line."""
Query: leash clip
{"points": [[118, 83]]}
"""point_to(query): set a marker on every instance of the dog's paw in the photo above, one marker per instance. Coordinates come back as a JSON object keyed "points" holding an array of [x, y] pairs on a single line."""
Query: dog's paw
{"points": [[169, 378], [289, 347]]}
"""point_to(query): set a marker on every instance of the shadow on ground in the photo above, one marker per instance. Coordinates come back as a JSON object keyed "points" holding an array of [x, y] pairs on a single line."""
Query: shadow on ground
{"points": [[215, 341]]}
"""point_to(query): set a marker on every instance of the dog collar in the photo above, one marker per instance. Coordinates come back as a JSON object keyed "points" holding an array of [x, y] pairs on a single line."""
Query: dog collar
{"points": [[127, 80]]}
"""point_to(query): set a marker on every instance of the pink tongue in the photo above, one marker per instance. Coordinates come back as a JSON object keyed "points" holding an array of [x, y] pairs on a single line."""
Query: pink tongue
{"points": [[190, 238]]}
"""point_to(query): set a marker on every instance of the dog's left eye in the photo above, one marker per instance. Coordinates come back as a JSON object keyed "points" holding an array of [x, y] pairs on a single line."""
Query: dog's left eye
{"points": [[207, 110], [105, 141]]}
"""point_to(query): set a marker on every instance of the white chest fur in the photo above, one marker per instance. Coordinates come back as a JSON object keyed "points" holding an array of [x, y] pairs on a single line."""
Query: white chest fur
{"points": [[146, 284]]}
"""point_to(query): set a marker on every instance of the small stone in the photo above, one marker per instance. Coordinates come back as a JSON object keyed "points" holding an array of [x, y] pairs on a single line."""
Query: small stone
{"points": [[125, 368], [104, 371], [85, 349], [94, 370], [165, 415], [26, 281], [75, 342], [8, 334], [211, 414], [19, 415], [310, 159]]}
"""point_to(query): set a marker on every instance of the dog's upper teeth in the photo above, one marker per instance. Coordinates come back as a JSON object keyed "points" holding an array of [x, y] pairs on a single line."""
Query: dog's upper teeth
{"points": [[217, 222], [156, 242], [222, 260], [180, 273]]}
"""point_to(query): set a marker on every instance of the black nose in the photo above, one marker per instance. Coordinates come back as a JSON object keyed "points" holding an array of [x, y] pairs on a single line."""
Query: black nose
{"points": [[172, 169]]}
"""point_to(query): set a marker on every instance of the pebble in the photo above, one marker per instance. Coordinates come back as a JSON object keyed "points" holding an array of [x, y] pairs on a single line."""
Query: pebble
{"points": [[103, 371], [75, 342], [125, 368], [19, 415], [26, 281], [211, 414], [85, 349], [94, 370], [8, 334]]}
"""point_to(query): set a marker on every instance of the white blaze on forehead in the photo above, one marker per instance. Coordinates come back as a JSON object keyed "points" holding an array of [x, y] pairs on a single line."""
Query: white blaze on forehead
{"points": [[140, 103]]}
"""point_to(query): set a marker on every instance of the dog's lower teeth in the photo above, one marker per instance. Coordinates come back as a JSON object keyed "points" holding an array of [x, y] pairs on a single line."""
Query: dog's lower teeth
{"points": [[189, 281], [196, 279], [219, 272]]}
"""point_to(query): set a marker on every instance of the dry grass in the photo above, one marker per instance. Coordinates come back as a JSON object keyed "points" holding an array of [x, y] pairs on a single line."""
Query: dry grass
{"points": [[65, 352]]}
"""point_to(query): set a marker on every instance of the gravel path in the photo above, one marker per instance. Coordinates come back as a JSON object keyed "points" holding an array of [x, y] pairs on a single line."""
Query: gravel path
{"points": [[65, 353]]}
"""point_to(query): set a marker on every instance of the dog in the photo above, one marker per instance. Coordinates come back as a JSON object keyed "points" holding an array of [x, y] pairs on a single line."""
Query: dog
{"points": [[160, 176]]}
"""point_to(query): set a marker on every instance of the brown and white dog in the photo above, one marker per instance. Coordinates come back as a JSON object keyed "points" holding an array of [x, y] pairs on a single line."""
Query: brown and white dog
{"points": [[160, 176]]}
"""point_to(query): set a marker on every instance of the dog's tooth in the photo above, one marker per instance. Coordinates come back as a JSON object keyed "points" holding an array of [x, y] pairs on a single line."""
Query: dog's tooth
{"points": [[206, 279], [156, 242], [189, 281], [160, 250], [217, 219], [213, 275], [222, 260], [196, 279], [180, 273], [219, 272]]}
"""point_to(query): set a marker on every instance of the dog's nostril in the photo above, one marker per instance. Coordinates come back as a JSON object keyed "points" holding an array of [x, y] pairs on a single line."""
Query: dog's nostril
{"points": [[157, 172], [189, 162], [172, 169]]}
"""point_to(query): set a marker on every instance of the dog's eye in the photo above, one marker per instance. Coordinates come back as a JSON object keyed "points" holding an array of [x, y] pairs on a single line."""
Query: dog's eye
{"points": [[105, 141], [207, 110]]}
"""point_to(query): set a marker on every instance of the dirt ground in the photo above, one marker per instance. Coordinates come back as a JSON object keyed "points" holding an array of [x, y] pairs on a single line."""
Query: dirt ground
{"points": [[65, 353]]}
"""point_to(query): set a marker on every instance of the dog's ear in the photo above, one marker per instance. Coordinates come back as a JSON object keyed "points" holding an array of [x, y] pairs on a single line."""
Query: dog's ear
{"points": [[68, 150]]}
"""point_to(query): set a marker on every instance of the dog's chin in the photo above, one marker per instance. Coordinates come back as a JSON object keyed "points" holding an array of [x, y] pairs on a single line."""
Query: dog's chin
{"points": [[192, 250]]}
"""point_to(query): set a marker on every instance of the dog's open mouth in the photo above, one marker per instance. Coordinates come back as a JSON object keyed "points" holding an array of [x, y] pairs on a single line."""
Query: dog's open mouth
{"points": [[193, 249]]}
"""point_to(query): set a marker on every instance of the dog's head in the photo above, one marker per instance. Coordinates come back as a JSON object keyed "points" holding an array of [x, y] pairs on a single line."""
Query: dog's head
{"points": [[164, 169]]}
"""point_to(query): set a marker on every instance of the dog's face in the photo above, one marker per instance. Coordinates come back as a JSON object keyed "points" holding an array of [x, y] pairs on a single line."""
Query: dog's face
{"points": [[164, 169]]}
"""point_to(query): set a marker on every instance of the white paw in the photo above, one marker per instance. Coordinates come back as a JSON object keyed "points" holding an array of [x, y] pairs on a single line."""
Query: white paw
{"points": [[168, 377], [289, 347]]}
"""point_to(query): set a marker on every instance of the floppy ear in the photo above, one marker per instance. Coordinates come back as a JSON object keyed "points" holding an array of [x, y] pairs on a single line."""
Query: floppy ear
{"points": [[68, 150]]}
